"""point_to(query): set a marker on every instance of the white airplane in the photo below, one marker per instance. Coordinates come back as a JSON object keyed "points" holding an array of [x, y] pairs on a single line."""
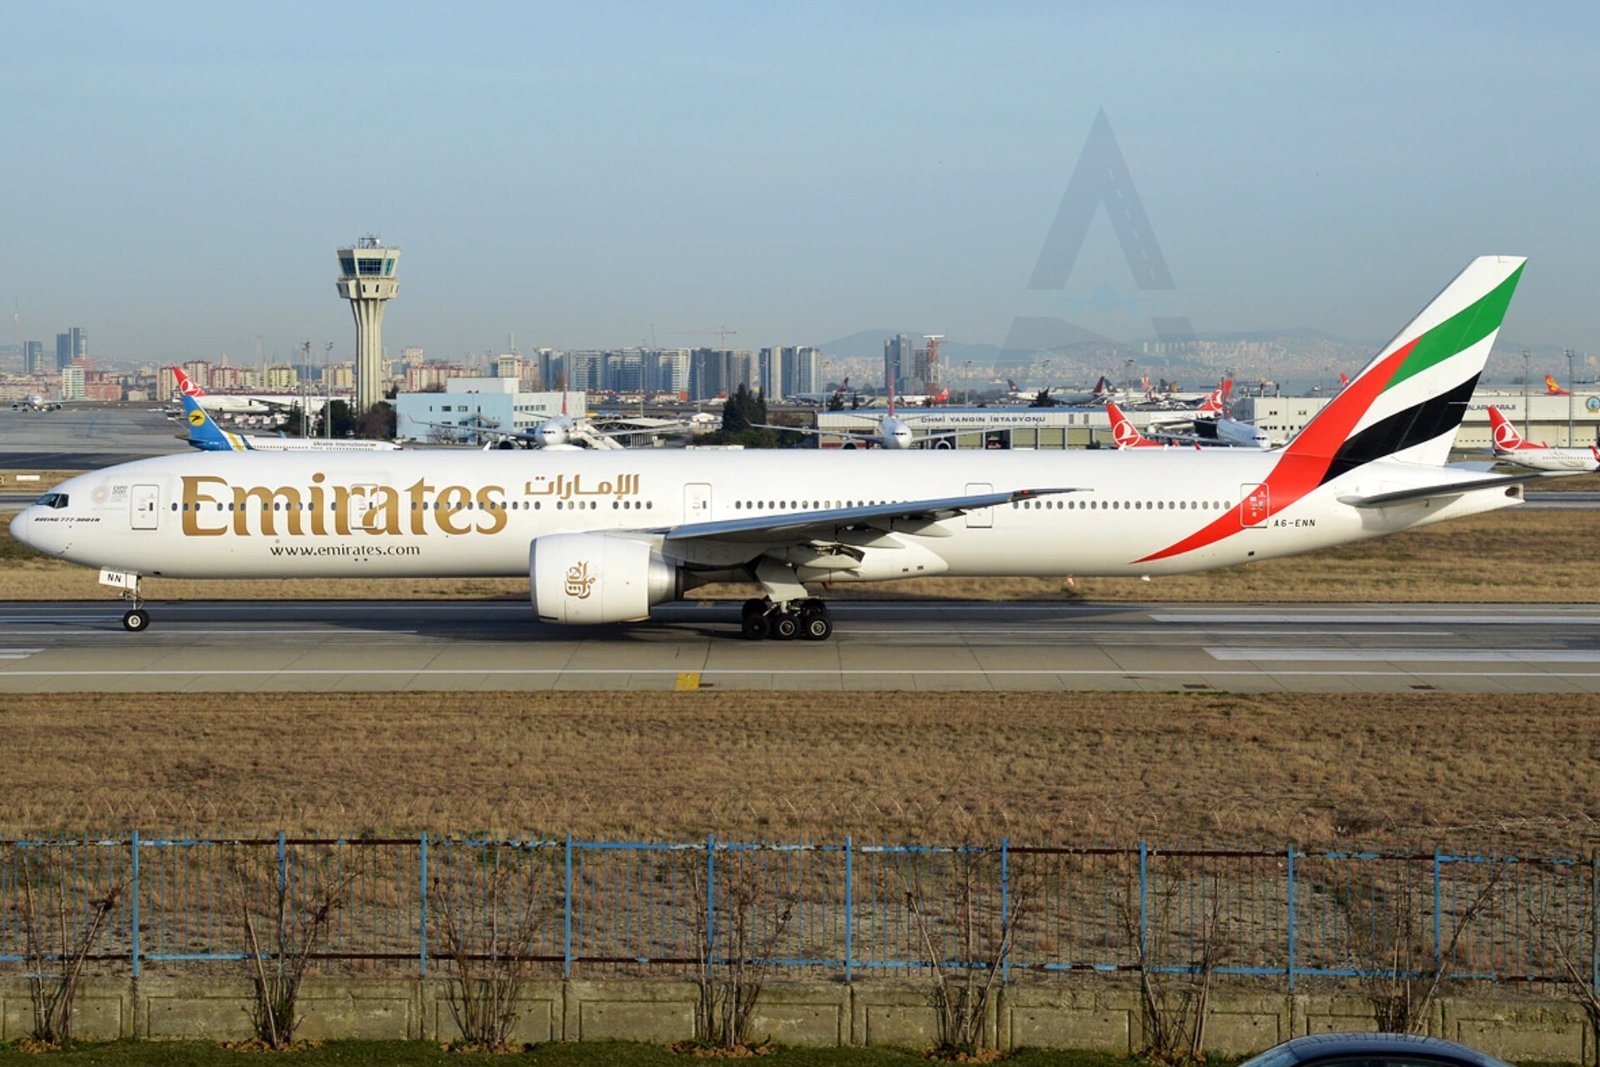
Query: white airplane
{"points": [[1211, 424], [1125, 434], [247, 404], [566, 432], [603, 536], [1510, 446], [36, 402], [894, 432], [207, 436]]}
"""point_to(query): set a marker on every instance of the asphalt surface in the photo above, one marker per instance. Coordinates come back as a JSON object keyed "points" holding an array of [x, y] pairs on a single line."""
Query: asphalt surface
{"points": [[420, 646]]}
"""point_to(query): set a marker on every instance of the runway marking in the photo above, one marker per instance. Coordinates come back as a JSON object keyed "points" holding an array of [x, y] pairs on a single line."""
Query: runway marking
{"points": [[1410, 655], [114, 627], [18, 653], [687, 681], [1139, 631], [1485, 618], [786, 672]]}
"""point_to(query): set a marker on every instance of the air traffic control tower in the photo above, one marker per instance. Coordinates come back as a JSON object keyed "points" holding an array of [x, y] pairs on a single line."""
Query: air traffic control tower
{"points": [[366, 279]]}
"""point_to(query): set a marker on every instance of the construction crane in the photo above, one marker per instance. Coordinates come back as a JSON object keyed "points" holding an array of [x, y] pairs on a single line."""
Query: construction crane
{"points": [[722, 332]]}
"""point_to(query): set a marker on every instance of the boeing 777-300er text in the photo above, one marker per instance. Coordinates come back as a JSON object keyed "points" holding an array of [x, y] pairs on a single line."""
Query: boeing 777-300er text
{"points": [[602, 536], [1510, 446]]}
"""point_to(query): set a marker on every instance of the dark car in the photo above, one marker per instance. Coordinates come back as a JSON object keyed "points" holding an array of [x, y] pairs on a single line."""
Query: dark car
{"points": [[1372, 1050]]}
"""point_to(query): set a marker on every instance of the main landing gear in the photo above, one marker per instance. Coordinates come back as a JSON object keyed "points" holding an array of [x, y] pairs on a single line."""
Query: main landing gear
{"points": [[806, 619]]}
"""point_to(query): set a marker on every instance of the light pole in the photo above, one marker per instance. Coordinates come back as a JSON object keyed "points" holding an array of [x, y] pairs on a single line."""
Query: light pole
{"points": [[327, 391], [1527, 414], [1570, 383]]}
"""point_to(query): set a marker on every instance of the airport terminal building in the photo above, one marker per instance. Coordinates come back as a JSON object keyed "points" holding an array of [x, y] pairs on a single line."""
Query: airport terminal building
{"points": [[1281, 416], [470, 404]]}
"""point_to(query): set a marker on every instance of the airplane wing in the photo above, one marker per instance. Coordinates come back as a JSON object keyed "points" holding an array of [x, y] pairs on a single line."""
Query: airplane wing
{"points": [[854, 435], [804, 525], [1429, 492]]}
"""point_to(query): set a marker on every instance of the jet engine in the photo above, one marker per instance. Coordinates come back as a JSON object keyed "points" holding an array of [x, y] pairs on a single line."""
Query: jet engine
{"points": [[584, 579]]}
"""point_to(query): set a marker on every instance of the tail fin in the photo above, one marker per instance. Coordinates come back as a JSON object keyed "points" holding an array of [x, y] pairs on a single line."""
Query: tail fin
{"points": [[205, 434], [1125, 433], [1505, 436], [186, 385], [1344, 379], [1408, 402], [1102, 387], [1212, 404], [1553, 387]]}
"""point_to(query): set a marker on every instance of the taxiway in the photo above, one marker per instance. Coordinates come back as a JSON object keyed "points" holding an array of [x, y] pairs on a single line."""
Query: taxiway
{"points": [[459, 647]]}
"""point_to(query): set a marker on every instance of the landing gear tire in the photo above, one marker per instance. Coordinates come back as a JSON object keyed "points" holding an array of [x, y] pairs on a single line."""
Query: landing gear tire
{"points": [[755, 627], [785, 627], [815, 623], [752, 608], [136, 621]]}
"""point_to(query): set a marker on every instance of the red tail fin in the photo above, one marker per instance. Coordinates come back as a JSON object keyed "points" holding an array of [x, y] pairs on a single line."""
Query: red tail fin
{"points": [[1125, 433], [1553, 388], [1505, 436]]}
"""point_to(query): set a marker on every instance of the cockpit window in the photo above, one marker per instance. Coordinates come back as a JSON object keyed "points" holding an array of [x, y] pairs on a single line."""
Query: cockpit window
{"points": [[52, 500]]}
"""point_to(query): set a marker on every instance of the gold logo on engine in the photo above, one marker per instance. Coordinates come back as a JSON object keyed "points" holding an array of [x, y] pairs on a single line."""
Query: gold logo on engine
{"points": [[580, 583]]}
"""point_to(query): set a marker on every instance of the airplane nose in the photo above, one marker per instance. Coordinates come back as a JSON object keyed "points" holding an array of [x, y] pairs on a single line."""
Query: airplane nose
{"points": [[22, 525]]}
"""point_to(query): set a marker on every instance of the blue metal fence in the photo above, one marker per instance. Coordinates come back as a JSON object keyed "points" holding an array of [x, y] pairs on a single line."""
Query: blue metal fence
{"points": [[584, 907]]}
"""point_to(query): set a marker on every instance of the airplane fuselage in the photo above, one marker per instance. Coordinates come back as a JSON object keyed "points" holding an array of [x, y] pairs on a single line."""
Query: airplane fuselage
{"points": [[439, 514]]}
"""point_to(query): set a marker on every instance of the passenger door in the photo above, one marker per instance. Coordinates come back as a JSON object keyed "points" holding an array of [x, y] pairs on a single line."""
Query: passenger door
{"points": [[697, 502], [980, 518], [145, 504]]}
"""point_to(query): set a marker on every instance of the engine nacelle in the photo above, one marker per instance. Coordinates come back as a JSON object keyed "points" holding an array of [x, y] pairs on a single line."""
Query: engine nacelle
{"points": [[583, 579]]}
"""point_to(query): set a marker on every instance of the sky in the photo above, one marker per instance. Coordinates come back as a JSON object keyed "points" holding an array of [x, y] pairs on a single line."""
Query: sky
{"points": [[607, 174]]}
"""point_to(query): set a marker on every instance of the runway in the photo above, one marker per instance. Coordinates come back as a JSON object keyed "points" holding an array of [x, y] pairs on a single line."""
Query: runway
{"points": [[340, 646]]}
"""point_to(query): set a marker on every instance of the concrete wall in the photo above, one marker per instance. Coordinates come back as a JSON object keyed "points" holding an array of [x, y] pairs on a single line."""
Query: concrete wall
{"points": [[792, 1013]]}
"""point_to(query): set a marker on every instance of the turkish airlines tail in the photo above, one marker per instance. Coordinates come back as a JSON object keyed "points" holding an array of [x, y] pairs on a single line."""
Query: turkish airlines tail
{"points": [[1125, 433], [1505, 436]]}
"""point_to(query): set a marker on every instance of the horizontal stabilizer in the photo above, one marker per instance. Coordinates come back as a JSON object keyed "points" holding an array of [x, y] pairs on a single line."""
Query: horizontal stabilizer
{"points": [[1428, 492]]}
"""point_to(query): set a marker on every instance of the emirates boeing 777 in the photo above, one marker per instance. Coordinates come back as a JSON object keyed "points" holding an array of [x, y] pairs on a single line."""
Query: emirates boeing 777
{"points": [[603, 536]]}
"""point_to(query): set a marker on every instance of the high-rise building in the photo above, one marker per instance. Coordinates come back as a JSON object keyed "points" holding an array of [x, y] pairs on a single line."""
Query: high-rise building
{"points": [[367, 279], [897, 355], [72, 381], [807, 372], [775, 372], [33, 358]]}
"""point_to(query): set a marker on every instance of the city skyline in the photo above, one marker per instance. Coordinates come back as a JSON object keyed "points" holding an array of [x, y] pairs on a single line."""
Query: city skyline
{"points": [[634, 176]]}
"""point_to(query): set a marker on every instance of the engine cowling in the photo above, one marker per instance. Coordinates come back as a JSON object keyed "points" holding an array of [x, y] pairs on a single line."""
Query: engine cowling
{"points": [[583, 579]]}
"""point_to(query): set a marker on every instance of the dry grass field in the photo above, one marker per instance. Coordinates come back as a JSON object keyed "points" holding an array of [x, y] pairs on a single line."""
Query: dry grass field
{"points": [[1478, 772]]}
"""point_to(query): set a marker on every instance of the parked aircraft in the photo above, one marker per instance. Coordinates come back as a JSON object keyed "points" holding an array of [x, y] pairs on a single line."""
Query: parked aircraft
{"points": [[566, 432], [246, 403], [207, 436], [1510, 446], [36, 402], [1553, 388], [602, 536], [1125, 433]]}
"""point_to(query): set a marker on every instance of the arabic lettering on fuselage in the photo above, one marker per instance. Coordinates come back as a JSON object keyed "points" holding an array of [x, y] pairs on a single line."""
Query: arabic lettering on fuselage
{"points": [[562, 487], [212, 506]]}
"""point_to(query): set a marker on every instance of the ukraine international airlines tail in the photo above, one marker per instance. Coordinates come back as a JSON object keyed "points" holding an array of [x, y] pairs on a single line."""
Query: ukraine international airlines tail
{"points": [[1510, 446], [604, 535], [207, 436]]}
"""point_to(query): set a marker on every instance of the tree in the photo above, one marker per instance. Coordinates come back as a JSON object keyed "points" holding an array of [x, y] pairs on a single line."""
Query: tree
{"points": [[743, 410], [377, 422], [341, 422], [836, 401]]}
